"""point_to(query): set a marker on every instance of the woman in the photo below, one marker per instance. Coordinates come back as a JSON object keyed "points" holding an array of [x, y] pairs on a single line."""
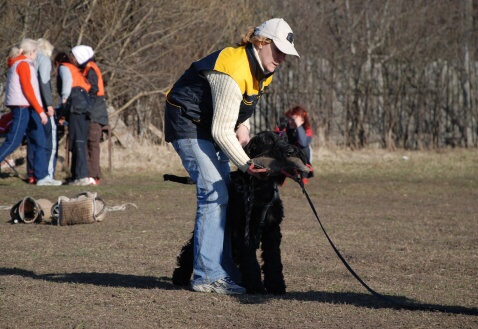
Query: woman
{"points": [[99, 114], [299, 133], [206, 120], [73, 88], [22, 96], [43, 66]]}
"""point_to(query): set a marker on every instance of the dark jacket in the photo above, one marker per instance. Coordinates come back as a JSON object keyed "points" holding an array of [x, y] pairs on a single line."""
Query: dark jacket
{"points": [[99, 113], [189, 108]]}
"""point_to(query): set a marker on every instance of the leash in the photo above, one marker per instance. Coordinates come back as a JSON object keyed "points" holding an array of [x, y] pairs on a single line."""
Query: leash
{"points": [[397, 304]]}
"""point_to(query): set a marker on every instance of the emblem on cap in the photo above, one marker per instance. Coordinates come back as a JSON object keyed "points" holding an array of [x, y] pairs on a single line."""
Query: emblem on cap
{"points": [[290, 37]]}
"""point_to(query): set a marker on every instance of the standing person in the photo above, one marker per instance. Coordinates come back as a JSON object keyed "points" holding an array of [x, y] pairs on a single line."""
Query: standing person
{"points": [[99, 114], [76, 108], [206, 120], [43, 66], [300, 134], [22, 96]]}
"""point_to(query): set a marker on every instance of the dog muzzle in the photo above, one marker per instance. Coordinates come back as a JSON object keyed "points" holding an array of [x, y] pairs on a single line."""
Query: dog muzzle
{"points": [[277, 167]]}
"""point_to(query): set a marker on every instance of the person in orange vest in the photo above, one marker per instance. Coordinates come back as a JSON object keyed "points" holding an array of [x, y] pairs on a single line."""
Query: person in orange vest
{"points": [[99, 115], [76, 109]]}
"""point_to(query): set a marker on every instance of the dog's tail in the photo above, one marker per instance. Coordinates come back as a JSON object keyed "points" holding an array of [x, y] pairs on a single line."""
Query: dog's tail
{"points": [[178, 179]]}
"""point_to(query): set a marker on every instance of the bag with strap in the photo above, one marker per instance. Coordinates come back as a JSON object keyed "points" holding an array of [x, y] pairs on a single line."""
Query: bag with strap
{"points": [[85, 208]]}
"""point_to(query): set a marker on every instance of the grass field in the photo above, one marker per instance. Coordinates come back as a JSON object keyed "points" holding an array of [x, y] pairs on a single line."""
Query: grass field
{"points": [[406, 222]]}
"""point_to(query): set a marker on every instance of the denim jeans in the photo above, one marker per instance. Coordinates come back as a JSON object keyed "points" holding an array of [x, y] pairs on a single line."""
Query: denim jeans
{"points": [[209, 167], [26, 120], [51, 150]]}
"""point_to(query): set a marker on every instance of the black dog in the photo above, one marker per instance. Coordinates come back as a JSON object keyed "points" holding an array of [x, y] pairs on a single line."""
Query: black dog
{"points": [[254, 214]]}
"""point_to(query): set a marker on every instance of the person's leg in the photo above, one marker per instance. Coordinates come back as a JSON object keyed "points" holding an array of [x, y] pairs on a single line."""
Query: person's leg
{"points": [[201, 161], [36, 136], [79, 128], [228, 263], [30, 159], [50, 142], [94, 138], [20, 118]]}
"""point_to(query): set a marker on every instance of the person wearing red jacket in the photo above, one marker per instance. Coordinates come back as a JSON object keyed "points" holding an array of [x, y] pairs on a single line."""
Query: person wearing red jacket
{"points": [[299, 133], [22, 97]]}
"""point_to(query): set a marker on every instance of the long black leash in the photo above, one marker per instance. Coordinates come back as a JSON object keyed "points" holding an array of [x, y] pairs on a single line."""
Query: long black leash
{"points": [[460, 310]]}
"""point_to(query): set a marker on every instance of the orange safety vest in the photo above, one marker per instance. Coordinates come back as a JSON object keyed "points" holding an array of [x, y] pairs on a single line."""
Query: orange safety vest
{"points": [[78, 79], [101, 85]]}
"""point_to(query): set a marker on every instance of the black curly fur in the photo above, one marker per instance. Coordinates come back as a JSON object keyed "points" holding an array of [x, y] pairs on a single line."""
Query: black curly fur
{"points": [[263, 231]]}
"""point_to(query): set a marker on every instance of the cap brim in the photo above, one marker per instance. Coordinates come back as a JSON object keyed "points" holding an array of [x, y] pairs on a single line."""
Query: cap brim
{"points": [[287, 48]]}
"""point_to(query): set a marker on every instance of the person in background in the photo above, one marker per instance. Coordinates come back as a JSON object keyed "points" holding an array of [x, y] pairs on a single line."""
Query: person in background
{"points": [[299, 133], [43, 66], [71, 84], [22, 96], [99, 115], [207, 121]]}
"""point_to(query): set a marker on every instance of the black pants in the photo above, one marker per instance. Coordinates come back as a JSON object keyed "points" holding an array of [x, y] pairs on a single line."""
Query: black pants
{"points": [[78, 129]]}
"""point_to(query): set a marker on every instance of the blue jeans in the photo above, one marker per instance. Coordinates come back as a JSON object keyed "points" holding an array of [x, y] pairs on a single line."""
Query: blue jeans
{"points": [[51, 143], [26, 120], [209, 167]]}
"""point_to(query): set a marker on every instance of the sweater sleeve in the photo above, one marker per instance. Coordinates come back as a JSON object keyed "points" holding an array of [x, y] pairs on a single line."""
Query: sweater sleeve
{"points": [[227, 98], [44, 70], [302, 139], [93, 80], [24, 73], [66, 81]]}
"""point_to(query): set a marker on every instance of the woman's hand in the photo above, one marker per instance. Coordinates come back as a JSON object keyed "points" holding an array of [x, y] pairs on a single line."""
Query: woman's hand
{"points": [[51, 111], [44, 118], [242, 134], [298, 120], [256, 172]]}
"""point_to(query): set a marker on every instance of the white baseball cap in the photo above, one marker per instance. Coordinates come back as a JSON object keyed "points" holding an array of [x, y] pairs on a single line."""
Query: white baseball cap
{"points": [[82, 53], [280, 32]]}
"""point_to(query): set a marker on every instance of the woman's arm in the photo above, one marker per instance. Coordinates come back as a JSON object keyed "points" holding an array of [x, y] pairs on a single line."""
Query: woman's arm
{"points": [[302, 139], [66, 82], [24, 73], [227, 98]]}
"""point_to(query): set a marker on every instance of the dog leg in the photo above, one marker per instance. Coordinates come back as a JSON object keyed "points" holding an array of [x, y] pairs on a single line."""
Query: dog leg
{"points": [[271, 256], [182, 273], [250, 271]]}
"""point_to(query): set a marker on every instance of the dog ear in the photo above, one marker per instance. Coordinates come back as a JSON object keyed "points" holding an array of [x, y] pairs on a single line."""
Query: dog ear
{"points": [[282, 123]]}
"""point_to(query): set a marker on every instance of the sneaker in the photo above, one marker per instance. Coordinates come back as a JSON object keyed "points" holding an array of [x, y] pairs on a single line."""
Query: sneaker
{"points": [[305, 181], [223, 286], [48, 181], [93, 181], [80, 182]]}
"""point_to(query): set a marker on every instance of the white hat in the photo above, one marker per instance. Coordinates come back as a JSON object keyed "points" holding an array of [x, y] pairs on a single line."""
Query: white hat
{"points": [[82, 53], [280, 32]]}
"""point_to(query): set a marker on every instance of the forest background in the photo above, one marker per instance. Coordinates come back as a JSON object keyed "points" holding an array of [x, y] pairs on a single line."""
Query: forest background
{"points": [[372, 73]]}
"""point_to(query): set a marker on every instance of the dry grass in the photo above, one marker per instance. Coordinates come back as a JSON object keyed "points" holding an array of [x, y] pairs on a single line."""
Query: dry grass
{"points": [[407, 227]]}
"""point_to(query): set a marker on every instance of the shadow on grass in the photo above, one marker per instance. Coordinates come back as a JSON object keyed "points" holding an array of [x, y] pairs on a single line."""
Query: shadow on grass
{"points": [[98, 279], [369, 301], [151, 282]]}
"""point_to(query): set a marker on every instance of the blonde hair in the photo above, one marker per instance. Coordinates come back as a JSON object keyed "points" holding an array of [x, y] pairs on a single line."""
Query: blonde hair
{"points": [[26, 47], [250, 37], [45, 47]]}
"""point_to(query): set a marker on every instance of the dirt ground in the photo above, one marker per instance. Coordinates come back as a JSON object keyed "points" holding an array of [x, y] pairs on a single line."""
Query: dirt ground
{"points": [[405, 223]]}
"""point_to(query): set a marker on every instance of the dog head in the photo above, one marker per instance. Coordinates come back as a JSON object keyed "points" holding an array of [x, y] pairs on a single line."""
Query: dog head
{"points": [[271, 150]]}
